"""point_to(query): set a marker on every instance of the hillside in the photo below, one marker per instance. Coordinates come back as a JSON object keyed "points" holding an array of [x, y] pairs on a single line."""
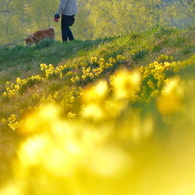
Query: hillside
{"points": [[135, 91]]}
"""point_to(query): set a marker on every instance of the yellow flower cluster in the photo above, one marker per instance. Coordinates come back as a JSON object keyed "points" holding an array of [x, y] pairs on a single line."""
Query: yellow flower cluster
{"points": [[154, 76], [165, 58], [141, 85], [48, 99], [100, 143], [3, 121], [71, 115], [50, 69], [101, 65], [81, 156], [182, 65], [12, 122], [172, 97], [102, 103], [86, 71], [12, 89]]}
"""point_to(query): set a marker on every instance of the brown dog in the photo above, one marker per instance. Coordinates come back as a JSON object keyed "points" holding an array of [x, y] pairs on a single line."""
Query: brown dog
{"points": [[37, 36]]}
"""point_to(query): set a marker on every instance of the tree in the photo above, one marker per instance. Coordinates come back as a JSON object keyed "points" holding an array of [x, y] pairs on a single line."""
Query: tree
{"points": [[100, 18]]}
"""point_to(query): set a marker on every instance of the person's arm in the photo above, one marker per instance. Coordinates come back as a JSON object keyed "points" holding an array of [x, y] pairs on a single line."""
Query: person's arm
{"points": [[62, 6]]}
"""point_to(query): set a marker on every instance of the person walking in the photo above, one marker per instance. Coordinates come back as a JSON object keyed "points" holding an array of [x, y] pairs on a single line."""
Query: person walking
{"points": [[67, 9]]}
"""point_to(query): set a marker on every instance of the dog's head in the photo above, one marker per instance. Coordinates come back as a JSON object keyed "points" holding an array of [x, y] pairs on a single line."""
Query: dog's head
{"points": [[29, 41]]}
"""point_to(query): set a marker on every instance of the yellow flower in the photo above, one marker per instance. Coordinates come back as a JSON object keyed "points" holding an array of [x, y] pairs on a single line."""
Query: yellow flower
{"points": [[171, 99], [18, 81], [75, 66], [73, 79], [55, 96], [125, 83], [69, 73], [43, 66], [88, 69], [3, 121], [96, 93], [93, 111], [91, 75], [77, 78], [83, 77], [14, 125], [38, 122], [72, 99], [17, 87], [108, 65], [93, 59], [120, 57], [112, 60], [150, 84], [71, 115], [51, 67], [101, 60], [12, 118], [155, 93]]}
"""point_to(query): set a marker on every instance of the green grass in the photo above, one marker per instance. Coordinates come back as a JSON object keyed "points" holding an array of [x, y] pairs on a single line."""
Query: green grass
{"points": [[29, 58], [139, 48]]}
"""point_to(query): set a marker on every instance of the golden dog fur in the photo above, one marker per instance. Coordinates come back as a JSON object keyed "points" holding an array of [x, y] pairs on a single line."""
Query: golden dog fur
{"points": [[37, 36]]}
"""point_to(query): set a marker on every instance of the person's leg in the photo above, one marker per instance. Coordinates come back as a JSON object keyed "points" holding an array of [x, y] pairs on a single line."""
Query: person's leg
{"points": [[66, 32], [70, 35], [64, 28]]}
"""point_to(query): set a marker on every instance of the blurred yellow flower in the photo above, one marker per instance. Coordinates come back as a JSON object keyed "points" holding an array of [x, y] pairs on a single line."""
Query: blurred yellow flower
{"points": [[3, 121], [72, 99], [172, 97], [125, 83], [93, 111], [41, 118], [95, 93], [71, 115]]}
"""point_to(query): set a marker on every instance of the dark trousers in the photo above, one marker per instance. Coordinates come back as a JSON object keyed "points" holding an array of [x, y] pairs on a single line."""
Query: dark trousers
{"points": [[65, 27]]}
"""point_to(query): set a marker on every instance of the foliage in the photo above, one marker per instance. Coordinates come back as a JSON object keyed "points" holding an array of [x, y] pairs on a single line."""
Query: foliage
{"points": [[96, 19], [102, 118]]}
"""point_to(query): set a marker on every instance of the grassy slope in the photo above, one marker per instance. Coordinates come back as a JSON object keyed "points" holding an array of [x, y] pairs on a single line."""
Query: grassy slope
{"points": [[138, 48]]}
